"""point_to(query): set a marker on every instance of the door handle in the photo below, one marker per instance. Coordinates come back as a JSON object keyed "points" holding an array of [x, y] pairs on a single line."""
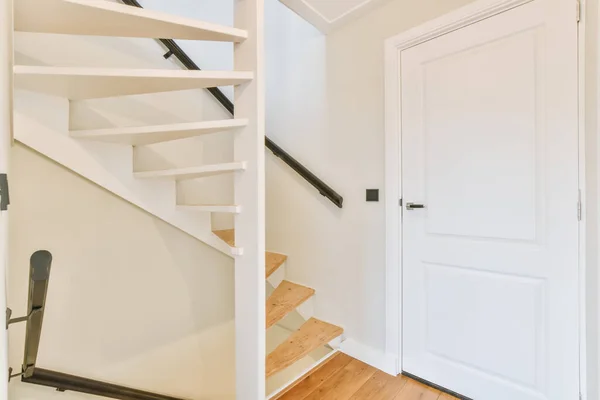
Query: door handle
{"points": [[413, 206]]}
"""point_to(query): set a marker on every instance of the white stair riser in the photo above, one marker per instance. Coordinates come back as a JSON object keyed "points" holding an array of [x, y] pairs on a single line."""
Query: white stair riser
{"points": [[278, 276], [307, 309], [211, 209]]}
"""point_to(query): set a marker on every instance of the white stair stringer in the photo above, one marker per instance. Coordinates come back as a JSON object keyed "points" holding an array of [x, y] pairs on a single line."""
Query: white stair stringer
{"points": [[278, 276], [102, 18], [215, 208], [41, 122]]}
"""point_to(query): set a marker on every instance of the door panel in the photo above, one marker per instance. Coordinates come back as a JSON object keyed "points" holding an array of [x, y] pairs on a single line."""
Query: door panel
{"points": [[490, 265], [505, 193]]}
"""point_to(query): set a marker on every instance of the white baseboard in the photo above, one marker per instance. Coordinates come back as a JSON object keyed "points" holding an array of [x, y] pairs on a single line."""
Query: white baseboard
{"points": [[385, 362]]}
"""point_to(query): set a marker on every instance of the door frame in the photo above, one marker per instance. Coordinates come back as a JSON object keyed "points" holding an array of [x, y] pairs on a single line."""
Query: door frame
{"points": [[474, 12]]}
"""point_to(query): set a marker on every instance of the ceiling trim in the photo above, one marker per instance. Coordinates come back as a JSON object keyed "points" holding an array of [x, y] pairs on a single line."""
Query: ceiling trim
{"points": [[325, 25]]}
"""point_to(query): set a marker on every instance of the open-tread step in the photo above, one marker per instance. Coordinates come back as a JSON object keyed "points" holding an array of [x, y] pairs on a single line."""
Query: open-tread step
{"points": [[103, 18], [192, 172], [216, 208], [272, 260], [284, 299], [142, 135], [226, 235], [80, 83], [312, 334]]}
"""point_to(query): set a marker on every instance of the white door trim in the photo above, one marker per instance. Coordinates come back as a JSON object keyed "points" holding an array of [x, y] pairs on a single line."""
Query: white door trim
{"points": [[467, 15]]}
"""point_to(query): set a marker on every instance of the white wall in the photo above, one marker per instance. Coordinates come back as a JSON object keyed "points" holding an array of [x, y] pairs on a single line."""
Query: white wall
{"points": [[325, 105], [208, 55], [131, 300], [332, 120]]}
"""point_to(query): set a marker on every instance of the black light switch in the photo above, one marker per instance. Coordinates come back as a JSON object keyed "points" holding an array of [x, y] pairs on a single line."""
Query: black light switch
{"points": [[372, 194]]}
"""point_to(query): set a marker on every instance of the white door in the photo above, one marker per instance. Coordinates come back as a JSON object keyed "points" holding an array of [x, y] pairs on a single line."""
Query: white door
{"points": [[490, 148]]}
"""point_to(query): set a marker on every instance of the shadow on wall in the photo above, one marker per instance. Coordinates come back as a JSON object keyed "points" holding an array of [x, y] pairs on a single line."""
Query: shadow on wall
{"points": [[131, 300]]}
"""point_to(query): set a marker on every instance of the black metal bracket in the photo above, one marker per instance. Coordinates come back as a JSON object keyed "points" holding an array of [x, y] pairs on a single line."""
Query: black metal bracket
{"points": [[4, 195], [10, 321], [11, 375]]}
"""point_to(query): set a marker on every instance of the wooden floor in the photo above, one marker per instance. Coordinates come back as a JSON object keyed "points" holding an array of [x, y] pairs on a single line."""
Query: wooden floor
{"points": [[344, 378]]}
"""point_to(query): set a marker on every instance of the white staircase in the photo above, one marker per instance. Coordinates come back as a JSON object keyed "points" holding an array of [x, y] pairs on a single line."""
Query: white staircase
{"points": [[42, 107], [48, 99]]}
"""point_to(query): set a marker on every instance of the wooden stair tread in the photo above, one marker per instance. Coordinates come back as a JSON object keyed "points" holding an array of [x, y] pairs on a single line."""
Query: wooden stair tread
{"points": [[80, 83], [102, 18], [192, 172], [272, 260], [284, 299], [227, 235], [312, 334], [142, 135]]}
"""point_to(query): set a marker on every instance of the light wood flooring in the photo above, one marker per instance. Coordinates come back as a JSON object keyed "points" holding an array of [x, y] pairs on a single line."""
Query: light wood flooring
{"points": [[344, 378]]}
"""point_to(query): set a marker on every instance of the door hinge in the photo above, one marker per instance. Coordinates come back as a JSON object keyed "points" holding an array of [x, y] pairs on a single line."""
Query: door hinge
{"points": [[4, 196], [578, 10], [579, 205], [400, 202]]}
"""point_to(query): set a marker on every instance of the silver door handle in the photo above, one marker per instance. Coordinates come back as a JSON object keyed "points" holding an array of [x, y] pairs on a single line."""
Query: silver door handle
{"points": [[413, 206]]}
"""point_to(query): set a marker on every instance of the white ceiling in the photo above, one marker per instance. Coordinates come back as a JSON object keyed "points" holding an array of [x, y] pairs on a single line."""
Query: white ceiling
{"points": [[327, 15]]}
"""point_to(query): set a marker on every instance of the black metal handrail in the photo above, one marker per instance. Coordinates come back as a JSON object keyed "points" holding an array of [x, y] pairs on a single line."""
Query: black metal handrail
{"points": [[176, 51], [39, 277], [65, 382]]}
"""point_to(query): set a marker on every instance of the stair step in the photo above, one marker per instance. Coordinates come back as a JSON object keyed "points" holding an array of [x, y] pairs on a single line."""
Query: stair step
{"points": [[272, 260], [80, 83], [192, 172], [141, 135], [312, 334], [284, 299], [102, 18], [226, 235], [212, 208]]}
